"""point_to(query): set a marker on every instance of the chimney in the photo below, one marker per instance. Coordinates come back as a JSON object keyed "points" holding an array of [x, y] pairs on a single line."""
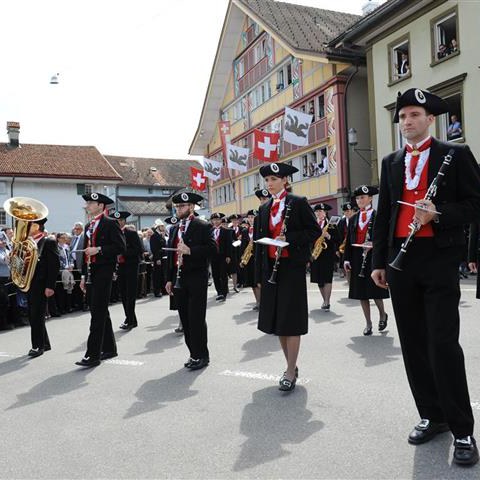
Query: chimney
{"points": [[369, 7], [13, 131]]}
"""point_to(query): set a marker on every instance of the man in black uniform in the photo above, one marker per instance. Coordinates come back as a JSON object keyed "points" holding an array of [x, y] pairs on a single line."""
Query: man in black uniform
{"points": [[42, 287], [157, 243], [426, 292], [128, 271], [104, 241], [222, 257], [188, 266]]}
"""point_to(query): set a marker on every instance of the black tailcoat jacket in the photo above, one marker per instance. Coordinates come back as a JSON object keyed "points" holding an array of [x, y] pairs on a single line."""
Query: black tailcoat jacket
{"points": [[134, 247], [284, 307], [457, 199]]}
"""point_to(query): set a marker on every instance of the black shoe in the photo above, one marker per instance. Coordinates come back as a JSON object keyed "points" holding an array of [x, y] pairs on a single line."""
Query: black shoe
{"points": [[188, 362], [382, 324], [35, 352], [285, 373], [466, 451], [178, 330], [256, 308], [221, 298], [367, 331], [425, 430], [198, 364], [128, 326], [47, 349], [325, 307], [158, 295], [88, 362], [236, 290], [107, 355], [287, 385]]}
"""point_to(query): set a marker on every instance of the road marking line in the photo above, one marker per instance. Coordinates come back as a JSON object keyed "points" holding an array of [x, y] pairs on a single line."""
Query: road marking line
{"points": [[258, 376], [133, 363]]}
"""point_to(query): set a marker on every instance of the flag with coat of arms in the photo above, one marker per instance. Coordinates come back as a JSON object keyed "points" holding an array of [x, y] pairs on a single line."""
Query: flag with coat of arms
{"points": [[237, 158], [295, 127]]}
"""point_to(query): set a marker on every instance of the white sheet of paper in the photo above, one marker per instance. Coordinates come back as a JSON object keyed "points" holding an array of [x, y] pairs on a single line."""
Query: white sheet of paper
{"points": [[272, 242], [236, 243]]}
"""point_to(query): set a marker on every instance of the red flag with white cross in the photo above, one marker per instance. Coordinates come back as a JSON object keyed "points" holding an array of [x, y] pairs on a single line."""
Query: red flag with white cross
{"points": [[199, 181], [265, 146]]}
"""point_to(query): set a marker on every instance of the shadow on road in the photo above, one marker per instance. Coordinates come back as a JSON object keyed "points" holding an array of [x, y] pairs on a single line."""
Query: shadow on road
{"points": [[319, 316], [53, 387], [260, 347], [247, 316], [270, 422], [376, 349], [13, 365], [156, 394], [168, 323], [159, 345], [433, 461]]}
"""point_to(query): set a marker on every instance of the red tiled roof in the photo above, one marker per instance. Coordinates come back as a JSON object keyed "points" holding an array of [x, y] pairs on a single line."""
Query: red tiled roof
{"points": [[153, 171], [55, 161]]}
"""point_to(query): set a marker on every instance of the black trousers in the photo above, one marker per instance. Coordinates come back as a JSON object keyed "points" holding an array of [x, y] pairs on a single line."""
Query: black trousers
{"points": [[191, 300], [425, 298], [158, 278], [101, 338], [37, 306], [127, 283], [219, 274]]}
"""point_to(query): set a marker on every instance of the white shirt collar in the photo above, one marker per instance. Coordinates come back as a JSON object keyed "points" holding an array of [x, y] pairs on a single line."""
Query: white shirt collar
{"points": [[419, 144]]}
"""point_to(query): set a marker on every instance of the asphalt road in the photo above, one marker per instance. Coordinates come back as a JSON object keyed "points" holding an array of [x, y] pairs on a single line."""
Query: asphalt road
{"points": [[142, 415]]}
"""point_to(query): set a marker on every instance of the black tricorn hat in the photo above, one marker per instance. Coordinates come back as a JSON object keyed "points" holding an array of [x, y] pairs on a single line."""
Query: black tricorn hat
{"points": [[277, 170], [252, 212], [117, 215], [43, 221], [421, 98], [234, 216], [187, 197], [347, 206], [97, 197], [171, 220], [365, 190], [216, 215], [322, 206], [263, 193]]}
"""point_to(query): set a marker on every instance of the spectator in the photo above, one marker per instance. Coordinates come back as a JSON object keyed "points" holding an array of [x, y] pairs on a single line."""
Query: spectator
{"points": [[442, 51], [4, 279], [453, 46], [455, 128], [403, 68]]}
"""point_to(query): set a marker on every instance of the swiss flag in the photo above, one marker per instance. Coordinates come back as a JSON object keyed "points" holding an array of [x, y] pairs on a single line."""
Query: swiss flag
{"points": [[199, 181], [266, 146]]}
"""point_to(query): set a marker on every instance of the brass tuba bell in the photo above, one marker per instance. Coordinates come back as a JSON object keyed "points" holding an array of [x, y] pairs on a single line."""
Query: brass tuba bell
{"points": [[24, 254]]}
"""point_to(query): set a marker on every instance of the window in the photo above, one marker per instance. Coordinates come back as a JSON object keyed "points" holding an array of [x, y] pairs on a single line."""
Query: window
{"points": [[3, 217], [251, 183], [88, 188], [450, 125], [259, 51], [280, 80], [223, 194], [238, 111], [305, 165], [444, 36], [284, 77], [315, 163], [399, 59], [321, 106], [240, 68], [311, 109]]}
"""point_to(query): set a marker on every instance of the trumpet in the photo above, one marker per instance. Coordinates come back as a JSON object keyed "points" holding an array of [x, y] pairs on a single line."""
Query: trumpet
{"points": [[415, 226], [278, 253]]}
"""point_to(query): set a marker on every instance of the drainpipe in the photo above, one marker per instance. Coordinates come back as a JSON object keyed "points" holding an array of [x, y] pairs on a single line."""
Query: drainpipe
{"points": [[345, 109], [11, 195]]}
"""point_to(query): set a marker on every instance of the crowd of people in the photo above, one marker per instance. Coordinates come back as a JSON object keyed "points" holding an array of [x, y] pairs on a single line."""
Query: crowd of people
{"points": [[428, 190]]}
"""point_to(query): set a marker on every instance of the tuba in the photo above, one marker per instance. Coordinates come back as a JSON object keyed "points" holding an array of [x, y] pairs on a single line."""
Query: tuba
{"points": [[24, 254]]}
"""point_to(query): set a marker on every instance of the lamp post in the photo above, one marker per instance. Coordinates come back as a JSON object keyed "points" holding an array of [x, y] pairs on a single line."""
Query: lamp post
{"points": [[353, 142]]}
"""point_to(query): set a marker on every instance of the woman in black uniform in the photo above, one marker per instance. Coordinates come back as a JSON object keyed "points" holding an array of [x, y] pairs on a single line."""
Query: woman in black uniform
{"points": [[321, 269], [283, 305], [358, 260]]}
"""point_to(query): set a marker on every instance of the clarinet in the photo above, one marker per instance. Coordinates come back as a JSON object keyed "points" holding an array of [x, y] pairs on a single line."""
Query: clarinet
{"points": [[365, 250], [278, 253], [415, 226], [178, 284]]}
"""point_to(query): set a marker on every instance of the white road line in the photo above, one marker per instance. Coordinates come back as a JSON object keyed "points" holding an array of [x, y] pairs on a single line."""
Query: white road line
{"points": [[258, 376], [133, 363]]}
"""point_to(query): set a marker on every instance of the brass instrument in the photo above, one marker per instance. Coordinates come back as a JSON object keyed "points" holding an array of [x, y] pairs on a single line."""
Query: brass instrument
{"points": [[341, 248], [24, 254], [320, 244], [414, 227], [247, 255]]}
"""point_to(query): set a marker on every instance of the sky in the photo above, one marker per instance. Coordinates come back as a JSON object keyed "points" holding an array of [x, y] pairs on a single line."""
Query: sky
{"points": [[132, 73]]}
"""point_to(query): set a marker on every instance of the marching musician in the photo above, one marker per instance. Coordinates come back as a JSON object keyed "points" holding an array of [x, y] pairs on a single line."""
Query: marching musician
{"points": [[127, 270], [42, 287], [283, 305], [187, 276], [222, 257], [104, 241], [249, 268], [238, 234], [357, 259], [426, 292], [157, 242], [321, 268], [342, 227]]}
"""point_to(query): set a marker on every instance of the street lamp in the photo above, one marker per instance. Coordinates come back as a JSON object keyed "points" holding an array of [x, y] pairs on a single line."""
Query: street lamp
{"points": [[353, 142]]}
